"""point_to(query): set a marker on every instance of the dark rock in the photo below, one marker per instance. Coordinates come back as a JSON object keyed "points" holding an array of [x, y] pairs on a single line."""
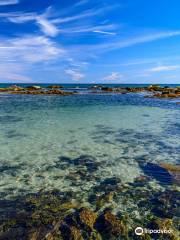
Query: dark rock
{"points": [[157, 172], [110, 226], [55, 86], [70, 232], [165, 204], [173, 170]]}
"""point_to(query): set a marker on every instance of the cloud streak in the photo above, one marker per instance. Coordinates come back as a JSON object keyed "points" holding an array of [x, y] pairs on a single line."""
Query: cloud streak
{"points": [[164, 68], [113, 76], [101, 29], [19, 55], [128, 42], [140, 40], [8, 2], [74, 74], [80, 3], [52, 26], [103, 32], [30, 49], [47, 27]]}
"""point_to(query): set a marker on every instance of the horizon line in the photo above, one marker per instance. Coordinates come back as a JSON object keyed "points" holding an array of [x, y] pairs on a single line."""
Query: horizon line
{"points": [[89, 83]]}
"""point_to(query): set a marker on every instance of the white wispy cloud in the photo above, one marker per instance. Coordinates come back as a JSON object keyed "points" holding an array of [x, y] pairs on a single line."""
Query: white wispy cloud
{"points": [[19, 55], [165, 60], [164, 68], [16, 77], [51, 25], [85, 14], [68, 19], [101, 29], [40, 47], [130, 41], [80, 3], [147, 38], [47, 27], [8, 2], [113, 76], [12, 72], [19, 17], [74, 74], [103, 32], [30, 48]]}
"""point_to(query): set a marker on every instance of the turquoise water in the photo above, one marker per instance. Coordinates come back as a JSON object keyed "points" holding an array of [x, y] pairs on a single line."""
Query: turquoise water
{"points": [[45, 139]]}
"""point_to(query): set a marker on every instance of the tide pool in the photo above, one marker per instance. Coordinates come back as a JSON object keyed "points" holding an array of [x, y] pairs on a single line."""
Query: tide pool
{"points": [[116, 132]]}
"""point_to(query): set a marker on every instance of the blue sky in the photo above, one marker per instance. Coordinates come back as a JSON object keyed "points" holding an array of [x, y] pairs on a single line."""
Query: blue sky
{"points": [[90, 41]]}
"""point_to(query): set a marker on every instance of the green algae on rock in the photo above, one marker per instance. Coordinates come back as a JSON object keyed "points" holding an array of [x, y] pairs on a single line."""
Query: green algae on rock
{"points": [[53, 215], [87, 217]]}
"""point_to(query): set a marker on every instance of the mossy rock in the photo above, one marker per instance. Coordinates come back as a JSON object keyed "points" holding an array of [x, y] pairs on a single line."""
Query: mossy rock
{"points": [[71, 232], [87, 217], [165, 224], [102, 200], [174, 171], [110, 226]]}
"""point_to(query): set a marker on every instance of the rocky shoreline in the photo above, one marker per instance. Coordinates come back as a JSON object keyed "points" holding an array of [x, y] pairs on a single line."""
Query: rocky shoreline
{"points": [[36, 90], [57, 215], [153, 91]]}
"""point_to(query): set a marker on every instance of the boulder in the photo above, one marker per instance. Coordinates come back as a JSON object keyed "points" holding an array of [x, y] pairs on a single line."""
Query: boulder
{"points": [[54, 86], [157, 172], [70, 232], [87, 218], [33, 87], [173, 170], [110, 226], [107, 89], [15, 88], [3, 89]]}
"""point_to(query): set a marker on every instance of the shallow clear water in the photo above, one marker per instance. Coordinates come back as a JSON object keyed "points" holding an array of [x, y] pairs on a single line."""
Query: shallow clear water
{"points": [[45, 139]]}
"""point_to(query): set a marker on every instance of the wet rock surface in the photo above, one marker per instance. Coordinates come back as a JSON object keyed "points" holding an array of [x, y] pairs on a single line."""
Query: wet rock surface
{"points": [[56, 215], [36, 90], [155, 91]]}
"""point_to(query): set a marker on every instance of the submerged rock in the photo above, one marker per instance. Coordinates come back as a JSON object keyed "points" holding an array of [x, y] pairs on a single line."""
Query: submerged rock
{"points": [[87, 218], [166, 204], [54, 216], [102, 200], [157, 172], [109, 185], [173, 170], [164, 225], [70, 232], [87, 161], [141, 180], [110, 226]]}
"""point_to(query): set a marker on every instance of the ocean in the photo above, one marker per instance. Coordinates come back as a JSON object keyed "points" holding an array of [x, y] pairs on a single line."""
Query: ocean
{"points": [[76, 143]]}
